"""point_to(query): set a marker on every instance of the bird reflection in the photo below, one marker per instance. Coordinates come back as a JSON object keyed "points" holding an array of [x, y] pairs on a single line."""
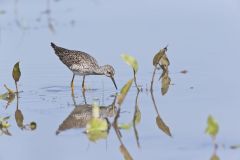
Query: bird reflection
{"points": [[82, 113]]}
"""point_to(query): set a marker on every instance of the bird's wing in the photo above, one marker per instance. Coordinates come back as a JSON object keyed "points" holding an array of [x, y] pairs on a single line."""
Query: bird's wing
{"points": [[76, 60]]}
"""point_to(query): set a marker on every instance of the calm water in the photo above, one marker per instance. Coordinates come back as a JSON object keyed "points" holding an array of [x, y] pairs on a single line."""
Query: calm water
{"points": [[203, 38]]}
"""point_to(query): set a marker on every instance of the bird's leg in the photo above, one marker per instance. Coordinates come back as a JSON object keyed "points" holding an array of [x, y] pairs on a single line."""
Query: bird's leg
{"points": [[72, 85], [83, 86], [84, 97]]}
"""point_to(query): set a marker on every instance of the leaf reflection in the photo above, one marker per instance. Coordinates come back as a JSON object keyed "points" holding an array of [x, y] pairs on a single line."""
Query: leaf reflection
{"points": [[160, 123], [136, 119], [166, 80], [19, 118], [122, 147], [4, 125]]}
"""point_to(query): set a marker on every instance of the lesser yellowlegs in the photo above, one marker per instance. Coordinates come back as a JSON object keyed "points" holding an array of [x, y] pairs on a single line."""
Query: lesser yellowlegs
{"points": [[82, 64]]}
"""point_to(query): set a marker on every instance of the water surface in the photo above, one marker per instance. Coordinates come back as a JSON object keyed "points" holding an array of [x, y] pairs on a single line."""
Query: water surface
{"points": [[203, 38]]}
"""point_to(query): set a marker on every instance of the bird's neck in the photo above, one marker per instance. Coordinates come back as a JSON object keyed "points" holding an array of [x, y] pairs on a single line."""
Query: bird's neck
{"points": [[100, 70]]}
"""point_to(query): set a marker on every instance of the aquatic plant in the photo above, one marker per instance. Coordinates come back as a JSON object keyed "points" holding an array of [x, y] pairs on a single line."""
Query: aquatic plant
{"points": [[160, 61], [4, 125], [212, 128], [9, 96], [16, 74], [130, 60]]}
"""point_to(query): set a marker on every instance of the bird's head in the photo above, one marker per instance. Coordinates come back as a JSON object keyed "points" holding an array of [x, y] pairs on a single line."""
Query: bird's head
{"points": [[109, 71]]}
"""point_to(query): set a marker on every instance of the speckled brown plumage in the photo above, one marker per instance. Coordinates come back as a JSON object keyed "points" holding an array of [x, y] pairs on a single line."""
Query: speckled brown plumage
{"points": [[77, 61], [81, 63], [81, 114]]}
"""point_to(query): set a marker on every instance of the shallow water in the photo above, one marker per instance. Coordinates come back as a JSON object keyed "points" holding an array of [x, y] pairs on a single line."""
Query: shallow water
{"points": [[203, 38]]}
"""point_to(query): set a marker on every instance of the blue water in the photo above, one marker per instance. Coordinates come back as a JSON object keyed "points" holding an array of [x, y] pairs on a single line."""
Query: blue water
{"points": [[203, 38]]}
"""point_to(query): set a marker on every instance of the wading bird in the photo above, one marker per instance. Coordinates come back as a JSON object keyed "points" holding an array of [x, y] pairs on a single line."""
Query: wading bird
{"points": [[82, 64]]}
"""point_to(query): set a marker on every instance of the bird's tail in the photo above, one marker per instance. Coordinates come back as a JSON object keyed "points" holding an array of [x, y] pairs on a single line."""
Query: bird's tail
{"points": [[58, 50], [53, 45]]}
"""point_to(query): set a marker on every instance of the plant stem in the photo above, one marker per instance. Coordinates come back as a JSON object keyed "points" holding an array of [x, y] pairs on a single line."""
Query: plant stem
{"points": [[154, 72], [135, 80]]}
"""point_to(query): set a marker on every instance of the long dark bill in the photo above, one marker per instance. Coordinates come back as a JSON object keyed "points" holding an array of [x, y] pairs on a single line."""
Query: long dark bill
{"points": [[114, 82]]}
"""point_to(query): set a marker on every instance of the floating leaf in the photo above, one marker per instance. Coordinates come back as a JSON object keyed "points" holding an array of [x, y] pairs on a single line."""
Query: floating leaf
{"points": [[125, 153], [33, 125], [97, 135], [212, 127], [125, 126], [16, 73], [161, 125], [130, 60], [165, 82], [19, 118], [124, 92]]}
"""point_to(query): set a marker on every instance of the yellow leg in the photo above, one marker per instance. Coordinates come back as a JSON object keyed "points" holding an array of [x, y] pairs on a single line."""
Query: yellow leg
{"points": [[72, 84], [83, 82]]}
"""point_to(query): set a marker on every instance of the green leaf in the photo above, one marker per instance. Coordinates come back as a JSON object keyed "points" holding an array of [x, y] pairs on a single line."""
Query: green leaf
{"points": [[97, 135], [130, 60], [96, 125], [125, 126], [19, 118], [212, 126], [4, 123], [125, 153], [124, 92], [97, 128], [16, 73], [161, 125], [9, 96]]}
